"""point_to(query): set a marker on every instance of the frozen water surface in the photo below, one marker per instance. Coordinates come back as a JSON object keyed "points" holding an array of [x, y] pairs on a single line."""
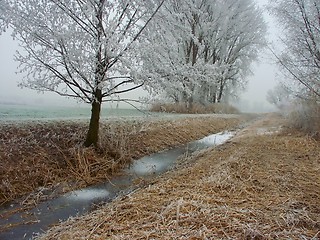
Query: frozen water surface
{"points": [[216, 139], [87, 194]]}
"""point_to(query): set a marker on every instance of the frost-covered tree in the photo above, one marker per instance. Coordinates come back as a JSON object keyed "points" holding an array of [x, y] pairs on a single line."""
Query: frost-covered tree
{"points": [[203, 49], [280, 96], [79, 48], [300, 58]]}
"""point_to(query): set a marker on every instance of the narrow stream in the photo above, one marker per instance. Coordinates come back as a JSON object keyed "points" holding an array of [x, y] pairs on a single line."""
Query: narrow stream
{"points": [[25, 225]]}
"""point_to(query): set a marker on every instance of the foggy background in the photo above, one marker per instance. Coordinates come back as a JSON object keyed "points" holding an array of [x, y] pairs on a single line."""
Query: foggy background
{"points": [[252, 100]]}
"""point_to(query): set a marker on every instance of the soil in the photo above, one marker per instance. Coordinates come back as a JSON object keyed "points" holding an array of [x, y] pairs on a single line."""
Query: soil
{"points": [[262, 184]]}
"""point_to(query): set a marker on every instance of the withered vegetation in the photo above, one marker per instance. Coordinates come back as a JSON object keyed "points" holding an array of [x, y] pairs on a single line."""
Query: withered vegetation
{"points": [[194, 109], [305, 116], [37, 156], [261, 185]]}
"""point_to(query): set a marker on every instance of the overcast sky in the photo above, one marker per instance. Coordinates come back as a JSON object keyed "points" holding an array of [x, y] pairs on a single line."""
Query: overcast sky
{"points": [[263, 78]]}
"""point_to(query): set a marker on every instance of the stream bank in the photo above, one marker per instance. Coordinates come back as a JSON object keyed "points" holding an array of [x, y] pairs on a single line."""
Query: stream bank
{"points": [[151, 136], [26, 225]]}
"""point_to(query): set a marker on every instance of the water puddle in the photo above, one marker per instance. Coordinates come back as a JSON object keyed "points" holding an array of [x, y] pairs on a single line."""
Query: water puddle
{"points": [[27, 224]]}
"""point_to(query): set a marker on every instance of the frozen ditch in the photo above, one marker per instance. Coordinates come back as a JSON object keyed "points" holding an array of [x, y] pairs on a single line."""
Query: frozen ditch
{"points": [[25, 225]]}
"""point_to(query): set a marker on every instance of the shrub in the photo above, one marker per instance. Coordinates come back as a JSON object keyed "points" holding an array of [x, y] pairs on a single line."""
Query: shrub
{"points": [[305, 116], [195, 109]]}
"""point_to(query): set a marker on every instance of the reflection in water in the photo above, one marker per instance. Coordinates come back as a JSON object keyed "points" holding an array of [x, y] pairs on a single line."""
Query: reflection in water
{"points": [[79, 202]]}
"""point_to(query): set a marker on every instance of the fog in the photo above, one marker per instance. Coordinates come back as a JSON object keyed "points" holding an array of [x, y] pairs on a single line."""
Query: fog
{"points": [[253, 99]]}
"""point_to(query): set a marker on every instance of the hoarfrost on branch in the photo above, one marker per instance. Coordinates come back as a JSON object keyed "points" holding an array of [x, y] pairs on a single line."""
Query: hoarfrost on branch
{"points": [[201, 51]]}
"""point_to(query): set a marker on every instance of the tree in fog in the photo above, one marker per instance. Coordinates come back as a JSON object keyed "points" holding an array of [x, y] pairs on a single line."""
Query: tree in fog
{"points": [[300, 58], [202, 50], [80, 49], [280, 96]]}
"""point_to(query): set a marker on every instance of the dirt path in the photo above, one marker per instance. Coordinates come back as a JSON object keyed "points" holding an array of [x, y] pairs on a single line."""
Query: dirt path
{"points": [[260, 185], [267, 124]]}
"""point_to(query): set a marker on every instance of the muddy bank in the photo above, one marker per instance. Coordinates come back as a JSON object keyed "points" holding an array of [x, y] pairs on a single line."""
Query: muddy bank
{"points": [[261, 185], [37, 157]]}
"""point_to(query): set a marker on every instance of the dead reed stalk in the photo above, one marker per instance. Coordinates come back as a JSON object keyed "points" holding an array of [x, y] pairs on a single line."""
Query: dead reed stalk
{"points": [[305, 116]]}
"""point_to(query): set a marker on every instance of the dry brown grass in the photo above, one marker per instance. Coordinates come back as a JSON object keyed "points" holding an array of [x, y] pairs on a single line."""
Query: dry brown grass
{"points": [[260, 187], [34, 156], [195, 109]]}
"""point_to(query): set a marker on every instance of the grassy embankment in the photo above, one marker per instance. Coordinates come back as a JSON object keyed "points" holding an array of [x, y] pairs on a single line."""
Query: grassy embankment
{"points": [[37, 157]]}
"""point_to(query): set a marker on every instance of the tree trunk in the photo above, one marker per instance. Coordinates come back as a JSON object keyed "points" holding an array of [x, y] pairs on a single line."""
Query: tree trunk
{"points": [[93, 132], [213, 95], [190, 104], [220, 95], [221, 90]]}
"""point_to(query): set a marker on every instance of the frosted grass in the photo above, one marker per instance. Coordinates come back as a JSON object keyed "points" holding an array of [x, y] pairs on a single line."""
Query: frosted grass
{"points": [[25, 113]]}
